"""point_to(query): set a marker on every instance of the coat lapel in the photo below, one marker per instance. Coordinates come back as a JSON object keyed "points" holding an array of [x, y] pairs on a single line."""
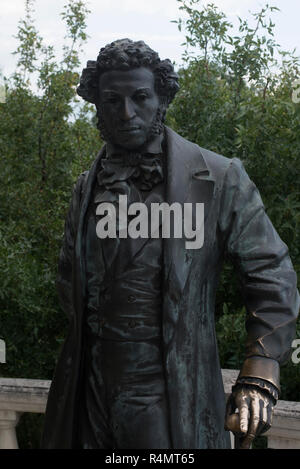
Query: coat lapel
{"points": [[188, 180]]}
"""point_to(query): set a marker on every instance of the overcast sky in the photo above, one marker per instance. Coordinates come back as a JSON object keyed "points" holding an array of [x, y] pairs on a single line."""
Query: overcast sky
{"points": [[149, 20]]}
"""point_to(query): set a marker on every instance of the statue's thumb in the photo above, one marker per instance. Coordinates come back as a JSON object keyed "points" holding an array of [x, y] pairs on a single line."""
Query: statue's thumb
{"points": [[232, 423]]}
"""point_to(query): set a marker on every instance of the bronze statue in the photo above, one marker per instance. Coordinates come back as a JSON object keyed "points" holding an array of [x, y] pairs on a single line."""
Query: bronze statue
{"points": [[140, 367]]}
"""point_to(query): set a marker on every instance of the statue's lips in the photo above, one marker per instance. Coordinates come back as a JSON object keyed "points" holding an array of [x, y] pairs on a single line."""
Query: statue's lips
{"points": [[129, 130]]}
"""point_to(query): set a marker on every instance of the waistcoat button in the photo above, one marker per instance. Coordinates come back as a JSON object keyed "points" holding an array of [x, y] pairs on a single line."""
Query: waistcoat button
{"points": [[131, 299]]}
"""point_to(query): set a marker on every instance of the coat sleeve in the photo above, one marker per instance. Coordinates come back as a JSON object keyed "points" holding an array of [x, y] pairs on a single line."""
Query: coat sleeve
{"points": [[65, 263], [268, 280]]}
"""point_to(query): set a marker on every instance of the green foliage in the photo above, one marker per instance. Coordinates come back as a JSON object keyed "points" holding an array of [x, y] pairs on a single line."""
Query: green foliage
{"points": [[45, 143], [235, 99], [30, 43]]}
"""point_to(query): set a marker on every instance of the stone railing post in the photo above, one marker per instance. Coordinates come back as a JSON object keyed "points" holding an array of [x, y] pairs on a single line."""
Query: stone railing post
{"points": [[8, 421]]}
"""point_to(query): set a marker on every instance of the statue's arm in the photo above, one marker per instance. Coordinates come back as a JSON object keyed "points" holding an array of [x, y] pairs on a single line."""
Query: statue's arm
{"points": [[65, 264], [268, 284]]}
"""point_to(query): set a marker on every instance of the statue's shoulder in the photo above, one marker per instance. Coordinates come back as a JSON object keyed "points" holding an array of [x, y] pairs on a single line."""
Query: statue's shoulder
{"points": [[87, 177], [83, 177], [216, 163], [81, 183]]}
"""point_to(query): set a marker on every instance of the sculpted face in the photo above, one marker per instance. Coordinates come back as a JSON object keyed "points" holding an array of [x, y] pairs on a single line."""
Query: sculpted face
{"points": [[128, 105]]}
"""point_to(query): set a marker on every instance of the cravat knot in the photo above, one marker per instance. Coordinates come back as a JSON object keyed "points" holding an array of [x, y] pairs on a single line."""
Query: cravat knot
{"points": [[145, 171]]}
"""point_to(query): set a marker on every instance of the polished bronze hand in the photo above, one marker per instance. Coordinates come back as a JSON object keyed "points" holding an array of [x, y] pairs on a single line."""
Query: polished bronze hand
{"points": [[255, 412]]}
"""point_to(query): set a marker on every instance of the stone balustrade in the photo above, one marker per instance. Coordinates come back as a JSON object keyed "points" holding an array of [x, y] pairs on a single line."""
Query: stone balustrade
{"points": [[16, 397], [29, 395]]}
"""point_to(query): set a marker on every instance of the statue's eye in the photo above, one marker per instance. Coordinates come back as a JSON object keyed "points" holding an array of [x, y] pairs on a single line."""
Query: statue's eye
{"points": [[141, 96], [111, 99]]}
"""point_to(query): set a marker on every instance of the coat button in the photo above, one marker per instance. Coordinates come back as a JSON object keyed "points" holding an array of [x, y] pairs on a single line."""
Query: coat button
{"points": [[132, 323], [131, 299]]}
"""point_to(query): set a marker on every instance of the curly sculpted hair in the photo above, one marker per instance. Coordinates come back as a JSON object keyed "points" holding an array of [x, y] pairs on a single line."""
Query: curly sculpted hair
{"points": [[125, 54]]}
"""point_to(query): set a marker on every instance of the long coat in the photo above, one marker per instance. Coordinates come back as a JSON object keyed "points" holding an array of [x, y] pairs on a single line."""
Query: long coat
{"points": [[235, 224]]}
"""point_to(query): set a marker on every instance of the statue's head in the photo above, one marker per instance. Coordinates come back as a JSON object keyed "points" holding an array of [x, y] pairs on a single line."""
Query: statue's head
{"points": [[131, 88]]}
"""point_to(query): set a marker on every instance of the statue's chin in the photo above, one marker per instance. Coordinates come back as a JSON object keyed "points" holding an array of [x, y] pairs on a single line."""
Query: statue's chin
{"points": [[128, 142]]}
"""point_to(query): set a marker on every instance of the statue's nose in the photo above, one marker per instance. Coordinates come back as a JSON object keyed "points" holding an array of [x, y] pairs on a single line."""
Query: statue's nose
{"points": [[128, 109]]}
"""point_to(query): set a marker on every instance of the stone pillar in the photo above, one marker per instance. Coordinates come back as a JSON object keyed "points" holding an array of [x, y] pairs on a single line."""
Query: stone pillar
{"points": [[2, 350], [8, 422]]}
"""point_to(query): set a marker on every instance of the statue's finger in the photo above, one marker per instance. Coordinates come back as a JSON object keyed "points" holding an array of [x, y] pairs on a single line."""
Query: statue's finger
{"points": [[253, 424], [264, 425], [264, 413], [244, 418], [270, 414]]}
